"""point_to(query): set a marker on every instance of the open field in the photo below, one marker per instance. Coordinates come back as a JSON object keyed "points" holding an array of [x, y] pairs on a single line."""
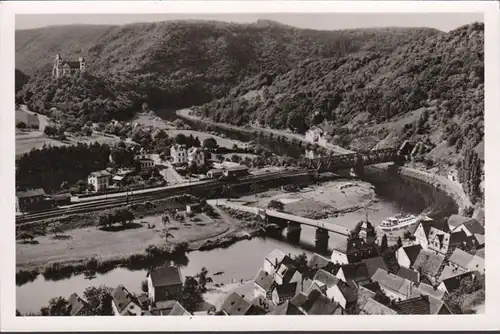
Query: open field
{"points": [[28, 140], [152, 120], [88, 242], [224, 142]]}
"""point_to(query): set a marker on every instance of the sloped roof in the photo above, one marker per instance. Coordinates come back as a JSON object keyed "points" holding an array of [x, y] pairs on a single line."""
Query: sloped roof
{"points": [[100, 173], [412, 252], [317, 261], [409, 274], [455, 221], [418, 305], [166, 276], [454, 282], [479, 239], [264, 280], [395, 283], [375, 263], [30, 193], [275, 257], [76, 304], [459, 238], [349, 291], [449, 271], [122, 297], [72, 64], [373, 307], [435, 305], [235, 304], [474, 227], [287, 289], [326, 278], [178, 309], [460, 258], [299, 299], [429, 262], [428, 290], [355, 271], [319, 304], [440, 225], [287, 308]]}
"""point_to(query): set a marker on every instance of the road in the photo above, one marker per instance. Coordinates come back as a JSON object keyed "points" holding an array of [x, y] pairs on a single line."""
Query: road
{"points": [[44, 120]]}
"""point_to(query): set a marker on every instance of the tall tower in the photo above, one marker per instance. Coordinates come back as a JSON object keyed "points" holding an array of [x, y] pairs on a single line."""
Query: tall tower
{"points": [[82, 64], [56, 70]]}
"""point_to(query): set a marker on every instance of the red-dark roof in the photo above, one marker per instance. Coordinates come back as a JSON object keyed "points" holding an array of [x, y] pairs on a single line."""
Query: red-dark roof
{"points": [[30, 193], [355, 271], [412, 252], [409, 274], [419, 305], [166, 276], [72, 64], [287, 308], [375, 263]]}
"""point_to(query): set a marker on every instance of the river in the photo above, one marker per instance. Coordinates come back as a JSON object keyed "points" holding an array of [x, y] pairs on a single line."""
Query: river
{"points": [[240, 261]]}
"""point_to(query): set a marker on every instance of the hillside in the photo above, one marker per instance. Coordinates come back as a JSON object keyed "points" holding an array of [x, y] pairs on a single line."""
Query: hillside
{"points": [[179, 64], [20, 80], [429, 90]]}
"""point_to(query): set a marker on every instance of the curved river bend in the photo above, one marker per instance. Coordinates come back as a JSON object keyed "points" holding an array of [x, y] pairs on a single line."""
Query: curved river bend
{"points": [[241, 261]]}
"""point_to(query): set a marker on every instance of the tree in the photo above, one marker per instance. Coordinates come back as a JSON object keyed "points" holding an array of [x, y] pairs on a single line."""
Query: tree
{"points": [[399, 242], [236, 158], [144, 286], [58, 306], [181, 139], [191, 296], [21, 125], [99, 299], [383, 243], [25, 236], [276, 205], [210, 143], [55, 228]]}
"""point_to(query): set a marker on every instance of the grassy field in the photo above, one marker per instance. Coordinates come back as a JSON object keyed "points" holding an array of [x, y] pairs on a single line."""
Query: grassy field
{"points": [[28, 140], [82, 243]]}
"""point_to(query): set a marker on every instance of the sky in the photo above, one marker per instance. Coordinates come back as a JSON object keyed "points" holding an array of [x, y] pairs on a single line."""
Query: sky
{"points": [[321, 21]]}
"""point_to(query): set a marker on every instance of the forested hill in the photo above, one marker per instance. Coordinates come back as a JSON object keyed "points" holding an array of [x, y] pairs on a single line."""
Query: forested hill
{"points": [[431, 90]]}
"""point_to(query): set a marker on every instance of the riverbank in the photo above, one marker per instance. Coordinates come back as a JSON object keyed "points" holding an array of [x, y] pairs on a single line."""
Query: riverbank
{"points": [[452, 189]]}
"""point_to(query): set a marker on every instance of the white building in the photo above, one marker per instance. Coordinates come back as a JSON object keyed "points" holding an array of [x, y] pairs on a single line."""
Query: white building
{"points": [[179, 154], [99, 180], [124, 303], [314, 135], [196, 156]]}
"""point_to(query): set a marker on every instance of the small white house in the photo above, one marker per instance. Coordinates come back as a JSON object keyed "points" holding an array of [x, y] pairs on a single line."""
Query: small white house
{"points": [[179, 154], [99, 180], [196, 156], [124, 303]]}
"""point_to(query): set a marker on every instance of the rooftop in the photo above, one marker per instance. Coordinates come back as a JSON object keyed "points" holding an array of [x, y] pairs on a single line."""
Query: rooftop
{"points": [[457, 220], [428, 262], [428, 290], [235, 304], [409, 274], [122, 297], [287, 308], [412, 252], [76, 304], [449, 271], [355, 271], [417, 305], [326, 278], [166, 276], [395, 283], [375, 263], [373, 307], [101, 173], [264, 280], [453, 283], [460, 258], [319, 304]]}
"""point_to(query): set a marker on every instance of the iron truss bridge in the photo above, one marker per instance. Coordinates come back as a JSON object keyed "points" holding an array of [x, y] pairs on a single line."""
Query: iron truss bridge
{"points": [[352, 160]]}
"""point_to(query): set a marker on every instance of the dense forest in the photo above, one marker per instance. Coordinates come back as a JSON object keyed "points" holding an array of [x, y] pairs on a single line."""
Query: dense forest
{"points": [[20, 80], [177, 64], [429, 90]]}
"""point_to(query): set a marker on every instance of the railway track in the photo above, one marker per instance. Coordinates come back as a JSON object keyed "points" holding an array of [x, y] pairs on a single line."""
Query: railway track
{"points": [[154, 194]]}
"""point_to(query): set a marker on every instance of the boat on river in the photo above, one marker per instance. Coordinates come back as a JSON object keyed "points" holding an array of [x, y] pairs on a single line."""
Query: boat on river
{"points": [[398, 223]]}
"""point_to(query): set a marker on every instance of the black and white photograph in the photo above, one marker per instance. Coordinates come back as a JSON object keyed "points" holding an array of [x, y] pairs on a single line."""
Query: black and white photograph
{"points": [[248, 164]]}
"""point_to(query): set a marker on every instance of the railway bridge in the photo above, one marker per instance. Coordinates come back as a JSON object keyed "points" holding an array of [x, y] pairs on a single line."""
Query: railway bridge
{"points": [[356, 160]]}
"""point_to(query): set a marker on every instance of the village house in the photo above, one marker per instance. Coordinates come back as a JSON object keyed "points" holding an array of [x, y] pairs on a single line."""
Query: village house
{"points": [[124, 303], [146, 163], [422, 231], [346, 294], [165, 283], [406, 256], [353, 250], [373, 307], [429, 263], [450, 271], [452, 283], [99, 180], [196, 156], [374, 263], [236, 304], [317, 261], [395, 287], [33, 199], [284, 292], [61, 199], [286, 273], [315, 303], [62, 67], [324, 281], [77, 306], [287, 308], [354, 272], [168, 307], [408, 274], [470, 227], [263, 284], [273, 260], [429, 290], [467, 262], [178, 153]]}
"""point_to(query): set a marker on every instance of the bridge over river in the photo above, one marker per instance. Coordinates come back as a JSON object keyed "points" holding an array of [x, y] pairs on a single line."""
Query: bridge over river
{"points": [[292, 223]]}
